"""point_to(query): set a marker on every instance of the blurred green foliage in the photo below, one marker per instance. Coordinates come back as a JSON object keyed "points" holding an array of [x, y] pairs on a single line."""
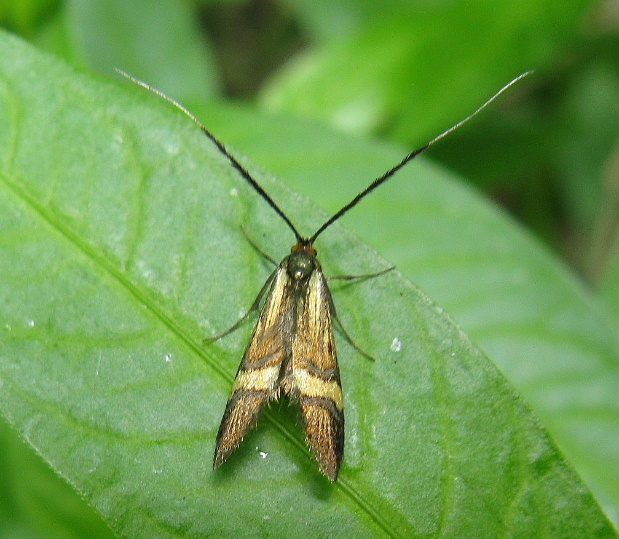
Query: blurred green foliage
{"points": [[396, 70]]}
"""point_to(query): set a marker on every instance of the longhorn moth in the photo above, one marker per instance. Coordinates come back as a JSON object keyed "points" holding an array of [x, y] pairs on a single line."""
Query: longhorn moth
{"points": [[292, 351]]}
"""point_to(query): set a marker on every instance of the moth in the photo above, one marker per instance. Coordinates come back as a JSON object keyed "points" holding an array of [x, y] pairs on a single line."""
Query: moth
{"points": [[292, 351]]}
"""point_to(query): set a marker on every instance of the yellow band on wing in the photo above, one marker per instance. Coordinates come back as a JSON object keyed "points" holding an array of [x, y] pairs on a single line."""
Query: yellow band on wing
{"points": [[263, 379], [312, 386]]}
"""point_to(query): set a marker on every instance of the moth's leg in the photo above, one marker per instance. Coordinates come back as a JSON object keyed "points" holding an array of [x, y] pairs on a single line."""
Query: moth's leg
{"points": [[257, 248], [254, 307], [341, 328], [350, 340], [359, 277]]}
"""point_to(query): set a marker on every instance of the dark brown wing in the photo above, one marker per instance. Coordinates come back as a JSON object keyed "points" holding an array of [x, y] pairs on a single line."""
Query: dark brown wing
{"points": [[257, 378], [313, 375]]}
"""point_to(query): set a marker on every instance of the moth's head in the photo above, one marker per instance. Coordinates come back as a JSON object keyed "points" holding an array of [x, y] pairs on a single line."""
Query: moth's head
{"points": [[304, 246], [302, 262]]}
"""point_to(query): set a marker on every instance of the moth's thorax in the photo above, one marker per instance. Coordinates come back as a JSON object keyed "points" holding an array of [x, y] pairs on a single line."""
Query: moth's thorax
{"points": [[301, 264]]}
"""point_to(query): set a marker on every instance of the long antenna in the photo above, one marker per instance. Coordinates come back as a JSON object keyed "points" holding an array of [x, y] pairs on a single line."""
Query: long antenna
{"points": [[378, 181], [382, 179], [240, 168]]}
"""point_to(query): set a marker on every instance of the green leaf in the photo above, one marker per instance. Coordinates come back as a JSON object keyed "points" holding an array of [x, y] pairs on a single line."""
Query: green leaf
{"points": [[120, 250]]}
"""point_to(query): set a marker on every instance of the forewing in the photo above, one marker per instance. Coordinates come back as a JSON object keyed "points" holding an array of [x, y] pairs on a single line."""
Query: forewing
{"points": [[315, 378], [257, 378]]}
